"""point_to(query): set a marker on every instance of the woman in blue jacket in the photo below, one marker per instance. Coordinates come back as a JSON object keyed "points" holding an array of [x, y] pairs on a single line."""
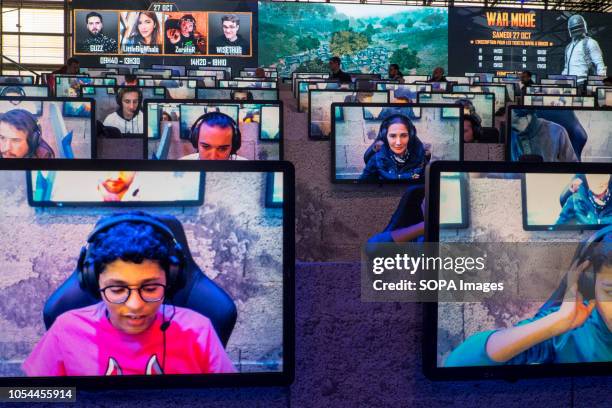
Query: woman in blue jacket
{"points": [[402, 154], [566, 329]]}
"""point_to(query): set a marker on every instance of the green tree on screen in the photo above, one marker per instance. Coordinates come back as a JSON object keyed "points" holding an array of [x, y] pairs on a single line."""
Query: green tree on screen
{"points": [[405, 58], [347, 42]]}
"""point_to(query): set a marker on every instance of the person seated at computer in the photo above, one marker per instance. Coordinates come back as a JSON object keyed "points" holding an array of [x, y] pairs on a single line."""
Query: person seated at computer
{"points": [[407, 224], [437, 75], [131, 264], [401, 155], [535, 136], [215, 136], [128, 116], [336, 72], [260, 73], [71, 67], [472, 129], [586, 201], [526, 81], [21, 137], [567, 329], [395, 74]]}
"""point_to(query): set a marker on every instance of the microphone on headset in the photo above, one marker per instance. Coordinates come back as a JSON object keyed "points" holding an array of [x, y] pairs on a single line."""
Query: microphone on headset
{"points": [[166, 323]]}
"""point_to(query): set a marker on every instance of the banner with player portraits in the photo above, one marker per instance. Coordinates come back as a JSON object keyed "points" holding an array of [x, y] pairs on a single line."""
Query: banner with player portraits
{"points": [[187, 32]]}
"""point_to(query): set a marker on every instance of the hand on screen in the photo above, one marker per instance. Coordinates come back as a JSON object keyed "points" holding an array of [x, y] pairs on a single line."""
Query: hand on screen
{"points": [[173, 35], [575, 185], [573, 312]]}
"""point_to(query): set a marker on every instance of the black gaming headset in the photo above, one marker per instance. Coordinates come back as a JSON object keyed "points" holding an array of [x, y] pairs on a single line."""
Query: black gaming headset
{"points": [[586, 282], [195, 131], [32, 128], [175, 276], [120, 91], [384, 126]]}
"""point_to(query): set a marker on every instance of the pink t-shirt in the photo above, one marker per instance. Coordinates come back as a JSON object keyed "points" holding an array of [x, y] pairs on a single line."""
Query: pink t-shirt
{"points": [[84, 342]]}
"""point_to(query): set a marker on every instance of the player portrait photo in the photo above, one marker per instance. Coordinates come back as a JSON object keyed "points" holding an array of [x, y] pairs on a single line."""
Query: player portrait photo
{"points": [[141, 32], [185, 33], [96, 32], [230, 34]]}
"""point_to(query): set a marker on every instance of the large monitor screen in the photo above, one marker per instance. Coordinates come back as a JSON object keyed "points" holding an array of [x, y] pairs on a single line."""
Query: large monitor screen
{"points": [[559, 100], [481, 105], [303, 86], [377, 143], [121, 107], [188, 33], [303, 36], [403, 93], [320, 112], [47, 128], [499, 91], [522, 330], [168, 298], [238, 94], [566, 201], [604, 97], [70, 86], [550, 90], [24, 90], [501, 40], [558, 134], [206, 130]]}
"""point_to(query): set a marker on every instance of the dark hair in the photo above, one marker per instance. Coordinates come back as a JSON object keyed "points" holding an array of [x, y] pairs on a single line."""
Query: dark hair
{"points": [[476, 123], [607, 80], [597, 251], [393, 119], [130, 77], [24, 121], [528, 73], [72, 60], [188, 17], [336, 60], [521, 113], [93, 14], [231, 17], [396, 67], [15, 89], [129, 241]]}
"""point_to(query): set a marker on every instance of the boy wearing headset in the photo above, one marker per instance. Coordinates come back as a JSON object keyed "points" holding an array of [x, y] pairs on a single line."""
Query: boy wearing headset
{"points": [[128, 116], [132, 262], [216, 136]]}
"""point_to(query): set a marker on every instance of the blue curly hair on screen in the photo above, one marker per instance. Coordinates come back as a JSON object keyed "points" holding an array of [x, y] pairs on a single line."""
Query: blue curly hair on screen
{"points": [[130, 242]]}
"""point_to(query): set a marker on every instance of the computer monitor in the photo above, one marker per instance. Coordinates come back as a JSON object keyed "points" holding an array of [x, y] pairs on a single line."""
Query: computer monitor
{"points": [[195, 282], [47, 128], [67, 86], [474, 103], [559, 100], [540, 271], [604, 96], [550, 90], [171, 127], [403, 93], [319, 107], [367, 137], [559, 134], [24, 90], [238, 94], [306, 85], [246, 83], [180, 88]]}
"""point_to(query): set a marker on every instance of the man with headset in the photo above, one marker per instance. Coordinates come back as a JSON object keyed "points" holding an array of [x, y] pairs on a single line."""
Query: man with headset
{"points": [[128, 116], [20, 137], [215, 136], [133, 263]]}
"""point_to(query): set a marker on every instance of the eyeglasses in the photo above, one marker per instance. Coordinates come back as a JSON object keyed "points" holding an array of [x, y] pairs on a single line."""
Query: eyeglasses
{"points": [[151, 292]]}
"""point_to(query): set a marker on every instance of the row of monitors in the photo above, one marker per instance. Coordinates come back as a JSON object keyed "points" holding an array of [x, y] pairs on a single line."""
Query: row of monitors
{"points": [[169, 71], [408, 93], [200, 194], [53, 207], [547, 208], [366, 149], [178, 87], [161, 128]]}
